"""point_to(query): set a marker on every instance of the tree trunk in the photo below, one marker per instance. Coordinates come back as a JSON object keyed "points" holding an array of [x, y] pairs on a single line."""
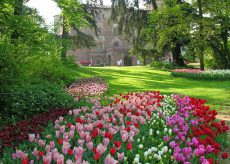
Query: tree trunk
{"points": [[155, 7], [225, 50], [18, 6], [64, 40], [201, 49], [177, 58]]}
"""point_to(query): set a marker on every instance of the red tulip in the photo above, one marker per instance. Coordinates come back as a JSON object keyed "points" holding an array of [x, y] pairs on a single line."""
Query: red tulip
{"points": [[224, 155], [69, 125], [97, 156], [113, 151], [129, 146], [25, 161], [40, 154], [210, 160], [128, 122], [70, 152], [117, 144], [100, 125], [60, 141]]}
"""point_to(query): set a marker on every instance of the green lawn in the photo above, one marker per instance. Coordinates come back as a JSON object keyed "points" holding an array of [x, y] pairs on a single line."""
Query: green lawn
{"points": [[139, 78]]}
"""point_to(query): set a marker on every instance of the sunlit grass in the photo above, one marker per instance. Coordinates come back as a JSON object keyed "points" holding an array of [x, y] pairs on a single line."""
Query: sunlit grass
{"points": [[139, 78]]}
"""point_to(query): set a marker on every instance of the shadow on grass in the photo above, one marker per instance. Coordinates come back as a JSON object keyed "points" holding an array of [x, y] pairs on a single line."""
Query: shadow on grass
{"points": [[128, 79]]}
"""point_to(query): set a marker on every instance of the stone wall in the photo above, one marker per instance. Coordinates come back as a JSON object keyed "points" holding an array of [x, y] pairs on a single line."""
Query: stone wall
{"points": [[110, 48]]}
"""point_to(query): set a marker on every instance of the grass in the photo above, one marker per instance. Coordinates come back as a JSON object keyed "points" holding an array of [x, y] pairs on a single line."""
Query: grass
{"points": [[140, 78]]}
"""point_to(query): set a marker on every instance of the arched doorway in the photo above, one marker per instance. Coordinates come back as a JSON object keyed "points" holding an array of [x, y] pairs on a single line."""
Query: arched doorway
{"points": [[127, 61], [109, 60], [98, 61]]}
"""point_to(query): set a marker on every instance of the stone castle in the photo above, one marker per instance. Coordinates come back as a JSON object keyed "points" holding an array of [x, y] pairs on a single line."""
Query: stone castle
{"points": [[111, 48]]}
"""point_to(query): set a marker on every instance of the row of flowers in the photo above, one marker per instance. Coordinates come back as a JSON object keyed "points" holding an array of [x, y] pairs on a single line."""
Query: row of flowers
{"points": [[134, 128], [12, 135], [202, 75], [87, 87]]}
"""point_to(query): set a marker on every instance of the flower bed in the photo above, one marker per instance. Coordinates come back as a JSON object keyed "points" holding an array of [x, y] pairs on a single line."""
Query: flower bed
{"points": [[14, 134], [87, 87], [202, 75], [135, 127]]}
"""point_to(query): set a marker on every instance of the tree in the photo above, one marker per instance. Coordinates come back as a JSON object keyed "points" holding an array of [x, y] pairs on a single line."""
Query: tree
{"points": [[211, 31], [76, 16], [201, 49], [132, 22], [218, 38]]}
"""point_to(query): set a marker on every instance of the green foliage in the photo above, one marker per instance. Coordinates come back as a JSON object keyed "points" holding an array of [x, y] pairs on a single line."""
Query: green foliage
{"points": [[30, 99], [32, 76], [162, 65], [219, 75], [76, 16]]}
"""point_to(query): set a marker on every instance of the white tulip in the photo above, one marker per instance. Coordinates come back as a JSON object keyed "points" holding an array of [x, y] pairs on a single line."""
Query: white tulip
{"points": [[165, 149], [170, 131], [137, 156], [140, 146], [138, 140], [136, 160], [165, 130], [159, 157], [160, 152], [158, 132], [153, 148], [149, 151], [146, 154]]}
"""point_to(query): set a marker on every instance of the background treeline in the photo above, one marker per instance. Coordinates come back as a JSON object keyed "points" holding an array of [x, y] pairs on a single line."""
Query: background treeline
{"points": [[203, 27], [33, 66]]}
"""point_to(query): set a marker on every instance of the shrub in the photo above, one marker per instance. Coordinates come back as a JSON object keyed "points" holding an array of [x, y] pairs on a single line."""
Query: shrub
{"points": [[30, 99], [162, 65], [203, 75]]}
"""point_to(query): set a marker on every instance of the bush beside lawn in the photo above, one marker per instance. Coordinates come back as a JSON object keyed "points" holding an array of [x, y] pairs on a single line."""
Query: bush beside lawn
{"points": [[196, 74]]}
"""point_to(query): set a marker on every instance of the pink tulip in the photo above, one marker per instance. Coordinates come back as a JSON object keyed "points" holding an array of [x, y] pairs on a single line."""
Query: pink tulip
{"points": [[62, 129], [58, 133], [101, 149], [89, 145], [82, 134], [120, 156], [70, 112], [31, 137], [78, 151], [81, 142], [31, 161], [71, 134], [69, 161], [35, 152], [106, 141], [124, 137], [47, 148], [48, 158], [60, 159], [110, 160], [41, 143]]}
